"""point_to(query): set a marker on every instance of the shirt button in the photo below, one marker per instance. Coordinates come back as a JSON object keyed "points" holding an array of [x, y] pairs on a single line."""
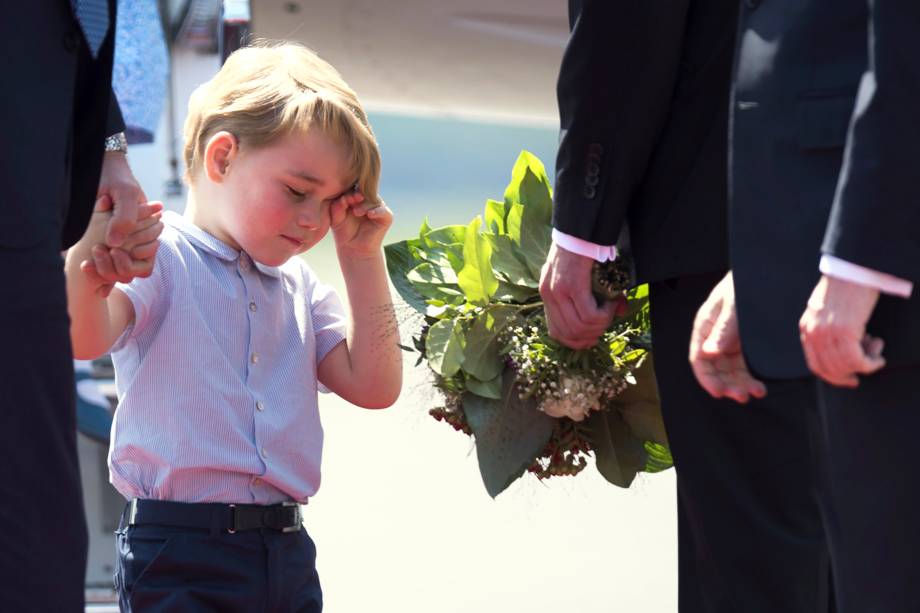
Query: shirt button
{"points": [[253, 307], [257, 480], [264, 453], [244, 262], [254, 358], [260, 406]]}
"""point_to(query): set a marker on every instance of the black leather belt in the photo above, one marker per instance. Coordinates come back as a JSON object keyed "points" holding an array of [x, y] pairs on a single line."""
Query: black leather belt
{"points": [[284, 517]]}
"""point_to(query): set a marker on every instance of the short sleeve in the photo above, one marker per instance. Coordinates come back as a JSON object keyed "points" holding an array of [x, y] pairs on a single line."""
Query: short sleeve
{"points": [[146, 295], [329, 320]]}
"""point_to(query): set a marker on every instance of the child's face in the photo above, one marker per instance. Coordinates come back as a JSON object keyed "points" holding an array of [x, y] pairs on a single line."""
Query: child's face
{"points": [[276, 198]]}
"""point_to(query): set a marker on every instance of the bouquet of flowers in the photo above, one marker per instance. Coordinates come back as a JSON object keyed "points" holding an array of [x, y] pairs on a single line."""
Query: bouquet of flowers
{"points": [[530, 403]]}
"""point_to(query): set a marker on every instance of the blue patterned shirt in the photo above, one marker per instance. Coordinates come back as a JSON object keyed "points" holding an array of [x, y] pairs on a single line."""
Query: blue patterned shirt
{"points": [[216, 377]]}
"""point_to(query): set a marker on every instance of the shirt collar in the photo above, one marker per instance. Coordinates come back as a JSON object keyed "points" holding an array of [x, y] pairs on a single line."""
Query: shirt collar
{"points": [[212, 245]]}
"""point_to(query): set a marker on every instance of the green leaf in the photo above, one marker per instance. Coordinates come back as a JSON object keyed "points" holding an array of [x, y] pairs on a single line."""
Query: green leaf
{"points": [[618, 345], [495, 215], [399, 263], [445, 235], [444, 347], [427, 273], [507, 264], [618, 454], [637, 308], [425, 229], [530, 215], [514, 221], [515, 293], [530, 187], [634, 355], [640, 292], [436, 284], [476, 278], [659, 457], [487, 389], [509, 434], [536, 237], [443, 246], [640, 407], [480, 357], [439, 255], [531, 235]]}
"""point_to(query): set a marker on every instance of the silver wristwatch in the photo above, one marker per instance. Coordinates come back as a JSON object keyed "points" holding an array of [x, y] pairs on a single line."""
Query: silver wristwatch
{"points": [[116, 142]]}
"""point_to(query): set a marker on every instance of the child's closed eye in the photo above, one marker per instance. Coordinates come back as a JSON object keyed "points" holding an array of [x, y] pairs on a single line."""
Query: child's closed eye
{"points": [[294, 192]]}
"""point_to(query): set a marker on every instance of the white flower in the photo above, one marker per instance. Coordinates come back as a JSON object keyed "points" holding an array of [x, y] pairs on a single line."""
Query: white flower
{"points": [[577, 398]]}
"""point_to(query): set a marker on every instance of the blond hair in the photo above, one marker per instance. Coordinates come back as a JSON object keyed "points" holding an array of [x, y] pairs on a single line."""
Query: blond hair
{"points": [[268, 90]]}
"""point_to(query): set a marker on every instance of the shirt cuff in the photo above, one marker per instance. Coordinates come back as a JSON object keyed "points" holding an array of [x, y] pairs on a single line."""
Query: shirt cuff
{"points": [[887, 284], [601, 253]]}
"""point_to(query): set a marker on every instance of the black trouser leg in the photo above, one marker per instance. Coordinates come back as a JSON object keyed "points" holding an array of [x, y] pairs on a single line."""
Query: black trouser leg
{"points": [[42, 529], [869, 436], [750, 532]]}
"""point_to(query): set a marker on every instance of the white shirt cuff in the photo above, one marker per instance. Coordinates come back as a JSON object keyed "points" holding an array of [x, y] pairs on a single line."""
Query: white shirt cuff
{"points": [[601, 253], [887, 284]]}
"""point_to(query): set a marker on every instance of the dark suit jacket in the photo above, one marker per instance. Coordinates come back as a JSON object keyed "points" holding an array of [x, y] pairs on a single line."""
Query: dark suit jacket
{"points": [[643, 101], [825, 157], [55, 114]]}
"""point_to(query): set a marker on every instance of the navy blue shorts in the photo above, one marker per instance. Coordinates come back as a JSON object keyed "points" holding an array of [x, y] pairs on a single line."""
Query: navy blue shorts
{"points": [[162, 568]]}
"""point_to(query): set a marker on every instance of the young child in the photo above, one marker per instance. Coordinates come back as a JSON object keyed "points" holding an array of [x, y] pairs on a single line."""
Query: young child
{"points": [[219, 353]]}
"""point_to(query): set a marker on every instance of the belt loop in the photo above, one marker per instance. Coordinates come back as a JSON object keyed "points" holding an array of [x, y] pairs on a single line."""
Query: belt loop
{"points": [[232, 528], [132, 511], [123, 522]]}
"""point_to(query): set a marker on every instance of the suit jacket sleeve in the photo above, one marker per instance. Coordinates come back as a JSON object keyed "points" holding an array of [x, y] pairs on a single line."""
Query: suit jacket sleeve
{"points": [[615, 87], [114, 122], [875, 220]]}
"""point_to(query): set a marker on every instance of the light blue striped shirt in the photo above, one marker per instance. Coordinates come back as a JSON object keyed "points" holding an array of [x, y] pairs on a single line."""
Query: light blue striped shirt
{"points": [[216, 378]]}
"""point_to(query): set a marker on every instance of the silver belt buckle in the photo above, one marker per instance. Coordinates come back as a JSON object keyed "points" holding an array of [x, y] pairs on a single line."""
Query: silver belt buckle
{"points": [[297, 517]]}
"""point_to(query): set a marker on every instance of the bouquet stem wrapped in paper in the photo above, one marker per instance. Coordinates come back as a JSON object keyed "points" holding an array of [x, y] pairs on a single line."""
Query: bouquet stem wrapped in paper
{"points": [[530, 403]]}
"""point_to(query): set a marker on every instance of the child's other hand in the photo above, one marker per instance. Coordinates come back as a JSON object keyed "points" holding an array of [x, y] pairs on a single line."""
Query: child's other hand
{"points": [[359, 226], [134, 258]]}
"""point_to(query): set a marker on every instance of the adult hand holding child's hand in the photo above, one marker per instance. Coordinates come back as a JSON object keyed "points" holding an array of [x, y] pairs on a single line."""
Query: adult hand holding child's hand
{"points": [[134, 258]]}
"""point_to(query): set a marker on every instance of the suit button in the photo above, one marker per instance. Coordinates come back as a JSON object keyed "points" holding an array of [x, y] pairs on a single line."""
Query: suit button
{"points": [[72, 41], [591, 180], [595, 149], [595, 158], [593, 169], [590, 192]]}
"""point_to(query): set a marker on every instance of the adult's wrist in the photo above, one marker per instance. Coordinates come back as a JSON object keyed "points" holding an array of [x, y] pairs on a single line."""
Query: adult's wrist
{"points": [[571, 258], [116, 143]]}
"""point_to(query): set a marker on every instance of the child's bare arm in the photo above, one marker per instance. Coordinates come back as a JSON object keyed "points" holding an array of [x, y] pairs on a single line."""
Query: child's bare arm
{"points": [[98, 313], [366, 370]]}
